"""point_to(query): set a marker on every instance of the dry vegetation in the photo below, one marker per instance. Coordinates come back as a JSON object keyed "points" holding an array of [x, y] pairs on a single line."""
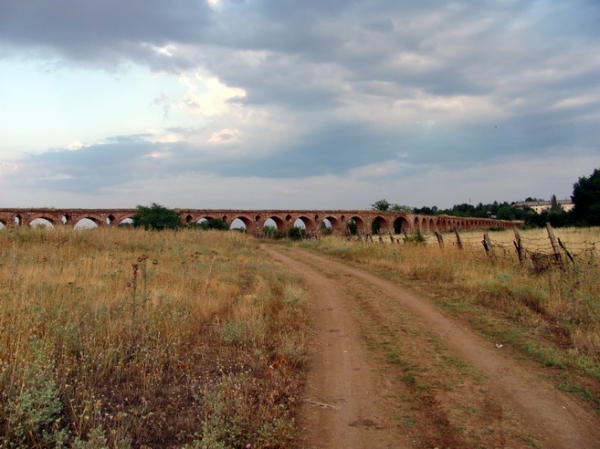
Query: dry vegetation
{"points": [[118, 338], [550, 314]]}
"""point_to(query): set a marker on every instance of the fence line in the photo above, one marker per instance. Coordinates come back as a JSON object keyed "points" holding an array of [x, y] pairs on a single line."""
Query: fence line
{"points": [[542, 252]]}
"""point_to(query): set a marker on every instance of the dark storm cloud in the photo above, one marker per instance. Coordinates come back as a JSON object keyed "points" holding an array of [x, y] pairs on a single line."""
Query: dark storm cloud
{"points": [[93, 168], [312, 59], [94, 30]]}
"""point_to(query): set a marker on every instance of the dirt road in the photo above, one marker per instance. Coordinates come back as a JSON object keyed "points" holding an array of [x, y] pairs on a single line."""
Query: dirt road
{"points": [[389, 370]]}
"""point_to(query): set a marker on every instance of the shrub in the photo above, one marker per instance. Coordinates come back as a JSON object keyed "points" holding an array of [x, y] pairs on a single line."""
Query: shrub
{"points": [[156, 217]]}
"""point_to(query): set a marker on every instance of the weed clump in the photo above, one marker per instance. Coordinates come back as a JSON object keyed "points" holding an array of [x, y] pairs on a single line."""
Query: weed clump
{"points": [[120, 338]]}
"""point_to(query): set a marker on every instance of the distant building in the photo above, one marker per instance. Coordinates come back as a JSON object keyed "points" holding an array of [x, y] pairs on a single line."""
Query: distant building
{"points": [[541, 205]]}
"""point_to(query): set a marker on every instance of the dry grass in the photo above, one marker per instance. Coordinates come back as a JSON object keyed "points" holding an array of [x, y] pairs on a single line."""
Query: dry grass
{"points": [[125, 338], [553, 314]]}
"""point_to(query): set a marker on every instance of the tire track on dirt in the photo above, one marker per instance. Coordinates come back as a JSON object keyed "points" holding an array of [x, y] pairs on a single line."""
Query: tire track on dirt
{"points": [[556, 419], [341, 408]]}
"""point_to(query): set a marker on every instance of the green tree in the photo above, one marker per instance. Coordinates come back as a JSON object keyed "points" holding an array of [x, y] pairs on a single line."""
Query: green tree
{"points": [[425, 210], [401, 208], [586, 200], [156, 217], [555, 205], [296, 233], [382, 205], [506, 212], [270, 231]]}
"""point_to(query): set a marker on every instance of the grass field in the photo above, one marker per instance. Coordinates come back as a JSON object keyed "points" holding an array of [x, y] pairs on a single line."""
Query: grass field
{"points": [[118, 338]]}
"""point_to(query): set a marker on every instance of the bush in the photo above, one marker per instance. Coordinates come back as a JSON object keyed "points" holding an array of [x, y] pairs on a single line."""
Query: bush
{"points": [[214, 223], [156, 217]]}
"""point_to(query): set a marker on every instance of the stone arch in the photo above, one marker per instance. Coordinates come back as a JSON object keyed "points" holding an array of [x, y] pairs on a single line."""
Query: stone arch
{"points": [[99, 222], [248, 222], [309, 223], [47, 217], [379, 224], [432, 226], [119, 221], [400, 223], [279, 222], [361, 223], [334, 221], [416, 223], [199, 218]]}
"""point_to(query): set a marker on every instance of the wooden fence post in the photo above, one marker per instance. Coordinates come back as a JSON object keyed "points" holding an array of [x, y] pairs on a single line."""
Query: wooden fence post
{"points": [[566, 252], [487, 245], [518, 245], [458, 241], [440, 239], [557, 255]]}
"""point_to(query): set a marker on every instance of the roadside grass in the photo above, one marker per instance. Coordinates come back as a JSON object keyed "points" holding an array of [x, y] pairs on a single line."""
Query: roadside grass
{"points": [[120, 338], [552, 316]]}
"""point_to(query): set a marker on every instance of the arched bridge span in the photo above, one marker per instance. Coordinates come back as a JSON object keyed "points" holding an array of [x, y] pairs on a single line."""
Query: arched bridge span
{"points": [[254, 220]]}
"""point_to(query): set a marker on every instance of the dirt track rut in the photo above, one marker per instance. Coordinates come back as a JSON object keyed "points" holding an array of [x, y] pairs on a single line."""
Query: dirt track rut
{"points": [[391, 371]]}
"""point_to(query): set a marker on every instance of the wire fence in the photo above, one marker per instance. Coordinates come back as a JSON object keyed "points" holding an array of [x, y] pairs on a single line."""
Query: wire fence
{"points": [[542, 252]]}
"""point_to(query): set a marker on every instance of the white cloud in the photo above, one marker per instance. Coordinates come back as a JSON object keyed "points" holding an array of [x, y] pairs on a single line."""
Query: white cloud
{"points": [[224, 136], [207, 96], [75, 145]]}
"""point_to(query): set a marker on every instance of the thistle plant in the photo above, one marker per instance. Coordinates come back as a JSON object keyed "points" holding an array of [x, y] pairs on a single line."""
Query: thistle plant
{"points": [[138, 299]]}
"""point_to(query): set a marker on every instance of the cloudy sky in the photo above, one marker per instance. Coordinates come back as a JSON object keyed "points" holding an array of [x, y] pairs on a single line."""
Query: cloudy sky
{"points": [[296, 104]]}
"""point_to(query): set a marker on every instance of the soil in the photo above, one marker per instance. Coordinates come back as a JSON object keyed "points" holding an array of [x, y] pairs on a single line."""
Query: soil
{"points": [[390, 370]]}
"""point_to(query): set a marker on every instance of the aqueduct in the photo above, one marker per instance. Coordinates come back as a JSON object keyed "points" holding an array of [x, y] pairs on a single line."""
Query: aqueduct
{"points": [[392, 222]]}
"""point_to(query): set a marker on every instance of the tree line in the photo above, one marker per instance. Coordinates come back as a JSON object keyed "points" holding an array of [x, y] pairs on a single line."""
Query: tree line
{"points": [[585, 211]]}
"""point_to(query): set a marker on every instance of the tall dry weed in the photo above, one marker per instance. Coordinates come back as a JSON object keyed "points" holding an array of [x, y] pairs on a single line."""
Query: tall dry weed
{"points": [[127, 338]]}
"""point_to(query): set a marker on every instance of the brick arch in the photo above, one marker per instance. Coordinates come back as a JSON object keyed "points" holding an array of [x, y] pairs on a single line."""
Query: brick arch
{"points": [[197, 217], [46, 216], [99, 220], [278, 219], [382, 221], [400, 222], [335, 221], [248, 221], [361, 222], [309, 222], [121, 218]]}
